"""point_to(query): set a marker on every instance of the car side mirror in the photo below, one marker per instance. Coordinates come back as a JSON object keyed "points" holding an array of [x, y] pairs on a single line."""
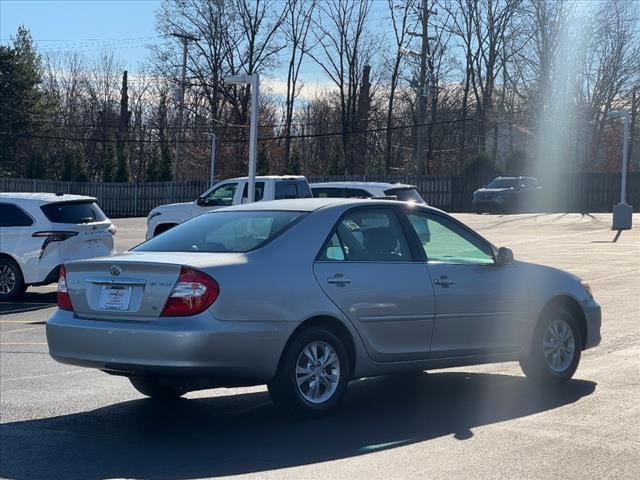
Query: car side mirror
{"points": [[200, 201], [504, 257]]}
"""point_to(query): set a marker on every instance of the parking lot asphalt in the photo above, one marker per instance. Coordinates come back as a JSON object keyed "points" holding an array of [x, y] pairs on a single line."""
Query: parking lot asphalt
{"points": [[59, 421]]}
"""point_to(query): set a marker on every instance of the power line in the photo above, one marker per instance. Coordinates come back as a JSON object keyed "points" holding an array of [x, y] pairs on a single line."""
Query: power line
{"points": [[233, 141]]}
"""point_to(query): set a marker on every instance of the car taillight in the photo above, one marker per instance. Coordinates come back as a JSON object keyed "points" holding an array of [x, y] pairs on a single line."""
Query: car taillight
{"points": [[64, 300], [112, 229], [193, 293]]}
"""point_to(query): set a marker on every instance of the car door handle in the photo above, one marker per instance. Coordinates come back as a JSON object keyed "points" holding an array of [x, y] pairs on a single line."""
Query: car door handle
{"points": [[444, 281], [339, 280]]}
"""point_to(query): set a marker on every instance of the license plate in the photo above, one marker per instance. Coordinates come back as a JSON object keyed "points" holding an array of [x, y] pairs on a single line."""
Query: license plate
{"points": [[114, 297]]}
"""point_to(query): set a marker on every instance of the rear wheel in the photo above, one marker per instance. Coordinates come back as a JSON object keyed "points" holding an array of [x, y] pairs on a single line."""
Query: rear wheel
{"points": [[158, 388], [556, 348], [313, 374], [11, 280]]}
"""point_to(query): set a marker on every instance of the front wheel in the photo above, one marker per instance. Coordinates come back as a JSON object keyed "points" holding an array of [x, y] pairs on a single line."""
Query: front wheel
{"points": [[556, 348], [157, 388], [313, 374]]}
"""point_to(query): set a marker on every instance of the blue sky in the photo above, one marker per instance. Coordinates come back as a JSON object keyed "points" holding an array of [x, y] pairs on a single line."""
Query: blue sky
{"points": [[86, 26], [124, 26]]}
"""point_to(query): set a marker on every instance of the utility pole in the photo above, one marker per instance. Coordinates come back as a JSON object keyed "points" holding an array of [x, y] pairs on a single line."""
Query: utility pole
{"points": [[185, 39], [423, 86]]}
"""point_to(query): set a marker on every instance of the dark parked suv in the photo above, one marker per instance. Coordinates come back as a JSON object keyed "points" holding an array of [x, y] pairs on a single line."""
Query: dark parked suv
{"points": [[507, 194]]}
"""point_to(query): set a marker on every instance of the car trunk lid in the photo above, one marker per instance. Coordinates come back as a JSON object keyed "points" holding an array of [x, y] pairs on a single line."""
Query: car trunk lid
{"points": [[131, 286]]}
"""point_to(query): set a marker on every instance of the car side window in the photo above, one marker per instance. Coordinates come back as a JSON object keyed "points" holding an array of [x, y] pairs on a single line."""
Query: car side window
{"points": [[286, 190], [356, 193], [258, 193], [221, 196], [447, 242], [327, 192], [13, 216], [371, 235]]}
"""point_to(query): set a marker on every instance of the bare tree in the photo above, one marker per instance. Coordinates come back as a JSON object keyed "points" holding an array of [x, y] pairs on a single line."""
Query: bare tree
{"points": [[298, 20], [611, 62], [340, 30], [492, 21], [400, 15]]}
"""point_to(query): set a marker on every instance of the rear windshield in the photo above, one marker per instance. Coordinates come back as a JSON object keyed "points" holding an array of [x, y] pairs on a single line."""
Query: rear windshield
{"points": [[73, 212], [503, 183], [405, 194], [239, 231]]}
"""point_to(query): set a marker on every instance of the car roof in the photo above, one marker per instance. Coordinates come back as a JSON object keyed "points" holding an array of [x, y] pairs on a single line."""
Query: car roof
{"points": [[43, 197], [312, 204], [385, 185], [269, 177]]}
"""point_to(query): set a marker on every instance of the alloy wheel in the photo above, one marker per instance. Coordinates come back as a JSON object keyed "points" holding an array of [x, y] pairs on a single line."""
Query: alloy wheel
{"points": [[7, 279], [317, 372], [558, 345]]}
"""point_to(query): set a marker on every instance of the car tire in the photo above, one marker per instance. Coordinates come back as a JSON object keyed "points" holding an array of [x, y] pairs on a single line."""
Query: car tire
{"points": [[302, 388], [555, 349], [157, 388], [12, 284]]}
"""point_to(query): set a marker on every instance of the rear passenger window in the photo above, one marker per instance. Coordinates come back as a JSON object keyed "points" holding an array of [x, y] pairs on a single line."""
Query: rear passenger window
{"points": [[286, 190], [258, 192], [73, 212], [356, 193], [324, 192], [304, 191], [13, 216], [371, 235]]}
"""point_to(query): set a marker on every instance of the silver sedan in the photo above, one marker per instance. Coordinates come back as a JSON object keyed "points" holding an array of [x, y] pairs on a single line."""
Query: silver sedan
{"points": [[306, 295]]}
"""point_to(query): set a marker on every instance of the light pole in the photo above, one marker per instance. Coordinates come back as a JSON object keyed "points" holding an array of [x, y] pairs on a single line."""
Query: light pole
{"points": [[254, 81], [622, 213], [212, 172]]}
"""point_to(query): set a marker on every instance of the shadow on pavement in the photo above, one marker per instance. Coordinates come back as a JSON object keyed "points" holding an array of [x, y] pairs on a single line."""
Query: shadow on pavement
{"points": [[239, 434], [31, 302]]}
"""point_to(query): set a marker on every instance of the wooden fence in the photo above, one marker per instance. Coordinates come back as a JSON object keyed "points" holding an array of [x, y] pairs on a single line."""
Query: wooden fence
{"points": [[588, 192]]}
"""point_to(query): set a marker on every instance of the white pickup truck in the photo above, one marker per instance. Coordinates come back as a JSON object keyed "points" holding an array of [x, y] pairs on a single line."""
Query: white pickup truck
{"points": [[228, 192]]}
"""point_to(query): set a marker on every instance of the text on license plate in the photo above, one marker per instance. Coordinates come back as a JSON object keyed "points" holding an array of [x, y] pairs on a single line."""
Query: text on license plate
{"points": [[114, 297]]}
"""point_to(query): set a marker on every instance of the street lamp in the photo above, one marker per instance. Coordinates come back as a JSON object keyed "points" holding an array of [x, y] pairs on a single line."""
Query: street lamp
{"points": [[622, 213], [254, 81]]}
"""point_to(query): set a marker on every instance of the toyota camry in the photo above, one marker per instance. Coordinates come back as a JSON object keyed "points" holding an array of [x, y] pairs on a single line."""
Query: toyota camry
{"points": [[306, 295]]}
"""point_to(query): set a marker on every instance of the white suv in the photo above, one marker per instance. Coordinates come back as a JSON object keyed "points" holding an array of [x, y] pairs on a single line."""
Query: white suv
{"points": [[402, 191], [40, 231]]}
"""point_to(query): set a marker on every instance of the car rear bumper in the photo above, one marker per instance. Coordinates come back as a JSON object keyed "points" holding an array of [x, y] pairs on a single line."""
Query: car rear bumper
{"points": [[198, 345]]}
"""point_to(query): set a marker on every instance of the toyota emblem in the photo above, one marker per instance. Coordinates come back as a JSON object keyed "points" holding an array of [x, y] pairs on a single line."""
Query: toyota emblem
{"points": [[115, 270]]}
